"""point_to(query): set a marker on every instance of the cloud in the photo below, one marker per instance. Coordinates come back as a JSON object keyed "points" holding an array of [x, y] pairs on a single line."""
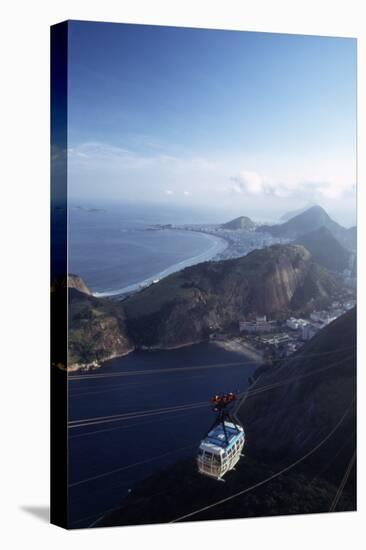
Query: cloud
{"points": [[102, 170], [128, 173], [96, 149], [252, 183]]}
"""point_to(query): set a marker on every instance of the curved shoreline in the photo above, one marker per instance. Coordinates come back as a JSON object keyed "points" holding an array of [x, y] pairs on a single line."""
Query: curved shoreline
{"points": [[230, 345], [218, 245]]}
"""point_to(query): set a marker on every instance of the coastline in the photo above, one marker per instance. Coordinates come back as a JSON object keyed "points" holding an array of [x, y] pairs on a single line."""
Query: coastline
{"points": [[229, 344], [76, 367], [238, 346], [219, 244]]}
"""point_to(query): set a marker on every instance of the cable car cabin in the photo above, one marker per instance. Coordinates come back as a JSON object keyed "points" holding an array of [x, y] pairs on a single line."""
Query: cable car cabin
{"points": [[219, 451]]}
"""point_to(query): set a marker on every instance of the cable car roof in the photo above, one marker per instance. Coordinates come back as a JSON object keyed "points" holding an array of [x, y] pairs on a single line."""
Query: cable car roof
{"points": [[215, 440]]}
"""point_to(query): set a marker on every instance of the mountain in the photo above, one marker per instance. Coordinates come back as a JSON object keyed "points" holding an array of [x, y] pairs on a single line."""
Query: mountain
{"points": [[291, 419], [288, 215], [96, 330], [96, 327], [243, 222], [325, 249], [350, 238], [312, 219], [187, 306], [300, 425]]}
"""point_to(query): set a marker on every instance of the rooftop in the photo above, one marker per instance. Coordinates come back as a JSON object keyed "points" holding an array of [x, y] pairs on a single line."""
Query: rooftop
{"points": [[215, 439]]}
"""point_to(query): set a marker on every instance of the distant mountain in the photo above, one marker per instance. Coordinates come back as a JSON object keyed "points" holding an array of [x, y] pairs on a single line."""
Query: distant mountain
{"points": [[312, 219], [187, 306], [243, 222], [299, 419], [350, 238], [325, 249], [288, 215]]}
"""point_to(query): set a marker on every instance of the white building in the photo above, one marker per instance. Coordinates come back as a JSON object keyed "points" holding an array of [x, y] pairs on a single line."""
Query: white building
{"points": [[322, 317], [296, 324], [292, 323]]}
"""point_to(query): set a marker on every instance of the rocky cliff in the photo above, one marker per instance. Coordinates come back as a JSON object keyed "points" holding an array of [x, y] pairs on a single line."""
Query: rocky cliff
{"points": [[97, 330], [71, 281]]}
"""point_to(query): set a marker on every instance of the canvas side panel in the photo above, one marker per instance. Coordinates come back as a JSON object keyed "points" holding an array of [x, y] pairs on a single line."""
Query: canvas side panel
{"points": [[59, 504]]}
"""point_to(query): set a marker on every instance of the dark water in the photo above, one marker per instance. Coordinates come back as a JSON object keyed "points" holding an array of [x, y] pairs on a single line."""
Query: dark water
{"points": [[110, 455], [112, 250]]}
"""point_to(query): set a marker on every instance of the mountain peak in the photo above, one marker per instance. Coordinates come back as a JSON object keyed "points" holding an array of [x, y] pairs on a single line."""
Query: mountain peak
{"points": [[310, 220], [316, 210], [242, 222], [291, 214]]}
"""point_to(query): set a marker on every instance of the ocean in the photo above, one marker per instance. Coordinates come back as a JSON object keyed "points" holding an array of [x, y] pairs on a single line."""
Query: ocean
{"points": [[114, 251]]}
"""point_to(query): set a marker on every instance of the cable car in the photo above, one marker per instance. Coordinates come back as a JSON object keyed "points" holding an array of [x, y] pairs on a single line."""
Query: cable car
{"points": [[222, 446]]}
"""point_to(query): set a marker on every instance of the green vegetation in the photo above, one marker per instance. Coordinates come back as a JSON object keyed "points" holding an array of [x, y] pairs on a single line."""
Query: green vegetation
{"points": [[96, 329], [186, 307]]}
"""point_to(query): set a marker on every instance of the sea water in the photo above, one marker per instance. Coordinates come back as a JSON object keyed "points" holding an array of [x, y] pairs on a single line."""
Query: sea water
{"points": [[117, 249]]}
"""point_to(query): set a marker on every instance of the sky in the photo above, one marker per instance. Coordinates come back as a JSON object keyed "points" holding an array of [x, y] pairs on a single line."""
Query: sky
{"points": [[243, 122]]}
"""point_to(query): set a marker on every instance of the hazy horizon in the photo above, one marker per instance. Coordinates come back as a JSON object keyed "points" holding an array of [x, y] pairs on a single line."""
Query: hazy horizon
{"points": [[178, 213]]}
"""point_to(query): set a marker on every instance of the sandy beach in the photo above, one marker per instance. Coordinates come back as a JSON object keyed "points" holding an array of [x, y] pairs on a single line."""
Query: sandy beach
{"points": [[239, 346]]}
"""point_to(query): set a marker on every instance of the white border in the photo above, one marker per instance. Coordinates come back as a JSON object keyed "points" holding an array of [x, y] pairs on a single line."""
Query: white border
{"points": [[24, 222]]}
